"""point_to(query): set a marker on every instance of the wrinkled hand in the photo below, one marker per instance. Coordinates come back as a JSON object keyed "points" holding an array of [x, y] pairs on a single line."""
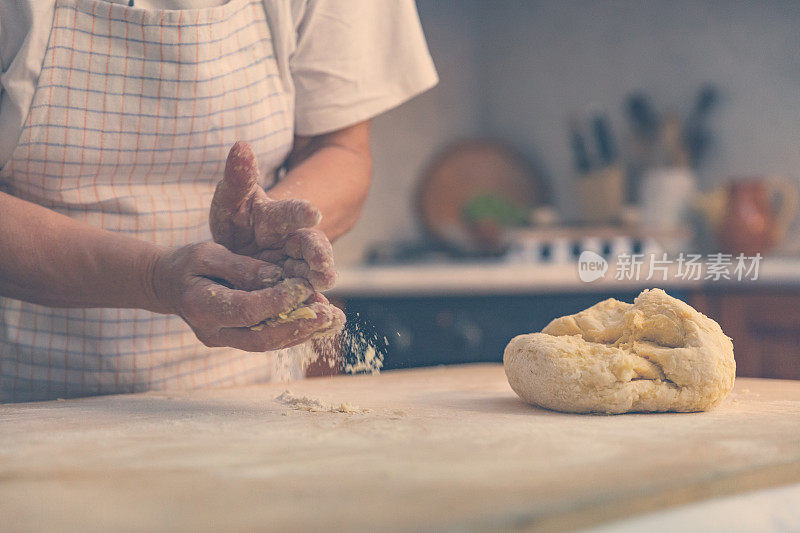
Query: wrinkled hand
{"points": [[237, 301], [246, 221]]}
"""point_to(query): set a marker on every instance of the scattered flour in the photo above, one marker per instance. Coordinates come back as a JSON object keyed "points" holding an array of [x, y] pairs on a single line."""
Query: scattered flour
{"points": [[304, 403]]}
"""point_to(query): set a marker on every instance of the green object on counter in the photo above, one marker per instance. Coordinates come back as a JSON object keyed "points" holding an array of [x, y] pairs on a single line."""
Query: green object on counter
{"points": [[489, 207]]}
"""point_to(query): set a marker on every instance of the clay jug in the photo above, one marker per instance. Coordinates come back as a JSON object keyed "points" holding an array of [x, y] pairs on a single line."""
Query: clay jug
{"points": [[743, 215]]}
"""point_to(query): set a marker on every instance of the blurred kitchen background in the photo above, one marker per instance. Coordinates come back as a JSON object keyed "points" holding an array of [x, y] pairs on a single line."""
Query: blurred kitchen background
{"points": [[611, 126]]}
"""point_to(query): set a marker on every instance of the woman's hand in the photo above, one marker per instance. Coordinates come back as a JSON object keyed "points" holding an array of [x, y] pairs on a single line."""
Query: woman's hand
{"points": [[232, 300], [246, 221]]}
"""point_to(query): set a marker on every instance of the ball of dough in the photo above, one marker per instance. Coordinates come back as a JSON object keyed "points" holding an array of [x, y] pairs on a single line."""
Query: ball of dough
{"points": [[657, 354]]}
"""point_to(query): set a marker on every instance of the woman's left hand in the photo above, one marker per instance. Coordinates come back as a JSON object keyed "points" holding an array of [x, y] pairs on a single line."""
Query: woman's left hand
{"points": [[246, 221]]}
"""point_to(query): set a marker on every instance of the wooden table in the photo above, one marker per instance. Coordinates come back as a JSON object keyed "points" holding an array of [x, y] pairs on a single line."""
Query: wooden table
{"points": [[442, 447]]}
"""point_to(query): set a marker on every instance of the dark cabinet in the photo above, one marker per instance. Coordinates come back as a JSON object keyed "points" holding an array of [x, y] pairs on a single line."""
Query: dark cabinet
{"points": [[451, 329], [421, 331], [764, 325]]}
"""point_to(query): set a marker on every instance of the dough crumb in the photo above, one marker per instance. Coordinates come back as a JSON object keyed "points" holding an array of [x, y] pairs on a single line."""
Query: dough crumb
{"points": [[304, 403], [304, 313]]}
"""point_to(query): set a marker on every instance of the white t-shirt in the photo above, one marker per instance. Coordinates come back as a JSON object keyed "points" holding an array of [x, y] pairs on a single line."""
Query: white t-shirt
{"points": [[344, 61]]}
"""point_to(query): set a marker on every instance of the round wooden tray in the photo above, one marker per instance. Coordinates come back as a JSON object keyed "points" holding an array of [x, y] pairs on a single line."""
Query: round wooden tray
{"points": [[468, 170]]}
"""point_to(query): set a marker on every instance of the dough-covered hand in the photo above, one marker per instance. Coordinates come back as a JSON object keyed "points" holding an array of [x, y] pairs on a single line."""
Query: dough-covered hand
{"points": [[246, 221], [233, 300]]}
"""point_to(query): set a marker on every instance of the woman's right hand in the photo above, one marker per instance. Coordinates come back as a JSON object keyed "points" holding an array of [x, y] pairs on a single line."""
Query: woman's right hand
{"points": [[222, 295]]}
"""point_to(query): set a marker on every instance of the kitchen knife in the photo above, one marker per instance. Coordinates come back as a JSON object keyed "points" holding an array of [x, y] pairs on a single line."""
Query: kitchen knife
{"points": [[605, 144], [579, 151]]}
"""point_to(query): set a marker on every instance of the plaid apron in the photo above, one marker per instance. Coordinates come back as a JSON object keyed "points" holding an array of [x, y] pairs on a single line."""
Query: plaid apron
{"points": [[128, 130]]}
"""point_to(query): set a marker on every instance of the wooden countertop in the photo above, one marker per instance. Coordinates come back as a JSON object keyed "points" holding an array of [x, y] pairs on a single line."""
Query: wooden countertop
{"points": [[448, 447]]}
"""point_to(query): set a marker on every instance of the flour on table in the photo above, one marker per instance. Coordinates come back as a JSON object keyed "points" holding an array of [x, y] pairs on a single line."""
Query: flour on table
{"points": [[304, 403], [657, 354]]}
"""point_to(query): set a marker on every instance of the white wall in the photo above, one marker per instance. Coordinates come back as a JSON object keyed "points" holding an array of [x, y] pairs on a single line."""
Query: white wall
{"points": [[518, 69], [546, 59], [405, 138]]}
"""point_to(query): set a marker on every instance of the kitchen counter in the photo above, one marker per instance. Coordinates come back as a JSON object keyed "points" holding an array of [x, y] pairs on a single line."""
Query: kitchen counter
{"points": [[477, 278], [446, 447]]}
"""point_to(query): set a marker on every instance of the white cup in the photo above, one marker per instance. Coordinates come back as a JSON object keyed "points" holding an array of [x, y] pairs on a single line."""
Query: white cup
{"points": [[666, 199]]}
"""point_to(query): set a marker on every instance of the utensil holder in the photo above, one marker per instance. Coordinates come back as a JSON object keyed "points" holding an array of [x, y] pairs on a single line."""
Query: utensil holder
{"points": [[599, 195]]}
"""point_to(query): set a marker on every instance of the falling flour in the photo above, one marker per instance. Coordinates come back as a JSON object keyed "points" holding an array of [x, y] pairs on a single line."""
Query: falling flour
{"points": [[358, 349], [291, 363], [370, 362], [304, 403], [361, 348]]}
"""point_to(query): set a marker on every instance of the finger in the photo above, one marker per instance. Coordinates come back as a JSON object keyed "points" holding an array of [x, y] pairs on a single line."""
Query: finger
{"points": [[241, 176], [337, 324], [276, 257], [241, 272], [339, 318], [313, 246], [296, 268], [271, 302], [311, 256], [220, 306], [274, 336], [229, 210], [318, 298], [273, 220], [321, 281]]}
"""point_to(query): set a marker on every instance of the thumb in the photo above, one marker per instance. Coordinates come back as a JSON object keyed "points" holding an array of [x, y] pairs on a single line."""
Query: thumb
{"points": [[240, 271], [240, 178]]}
